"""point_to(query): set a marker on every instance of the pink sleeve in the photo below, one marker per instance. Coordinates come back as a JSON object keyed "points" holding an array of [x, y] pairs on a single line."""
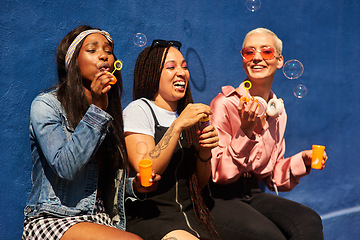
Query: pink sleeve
{"points": [[230, 157], [288, 171]]}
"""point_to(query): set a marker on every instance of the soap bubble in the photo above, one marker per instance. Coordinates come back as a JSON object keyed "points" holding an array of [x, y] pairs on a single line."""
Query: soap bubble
{"points": [[300, 91], [293, 69], [140, 39], [253, 5]]}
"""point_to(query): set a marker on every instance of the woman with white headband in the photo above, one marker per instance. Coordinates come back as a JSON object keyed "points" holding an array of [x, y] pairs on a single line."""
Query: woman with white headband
{"points": [[79, 177]]}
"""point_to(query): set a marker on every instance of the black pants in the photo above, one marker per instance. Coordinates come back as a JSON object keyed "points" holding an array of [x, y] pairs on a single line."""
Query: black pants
{"points": [[258, 215]]}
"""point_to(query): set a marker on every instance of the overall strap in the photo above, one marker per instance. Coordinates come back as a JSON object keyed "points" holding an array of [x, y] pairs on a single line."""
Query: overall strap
{"points": [[152, 112]]}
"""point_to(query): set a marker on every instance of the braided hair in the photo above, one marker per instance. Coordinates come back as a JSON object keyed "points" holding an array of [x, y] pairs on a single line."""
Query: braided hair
{"points": [[147, 73]]}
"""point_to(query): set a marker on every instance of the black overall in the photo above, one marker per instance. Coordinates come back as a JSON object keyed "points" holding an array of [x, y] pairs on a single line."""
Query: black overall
{"points": [[169, 207]]}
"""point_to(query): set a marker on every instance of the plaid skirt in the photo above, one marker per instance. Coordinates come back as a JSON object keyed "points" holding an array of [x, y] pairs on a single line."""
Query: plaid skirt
{"points": [[47, 226]]}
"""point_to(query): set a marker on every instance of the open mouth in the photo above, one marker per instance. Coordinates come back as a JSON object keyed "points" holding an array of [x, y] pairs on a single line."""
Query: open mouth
{"points": [[180, 85], [257, 67]]}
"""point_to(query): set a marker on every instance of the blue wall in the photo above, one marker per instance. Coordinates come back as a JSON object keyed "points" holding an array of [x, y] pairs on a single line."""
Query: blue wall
{"points": [[323, 35]]}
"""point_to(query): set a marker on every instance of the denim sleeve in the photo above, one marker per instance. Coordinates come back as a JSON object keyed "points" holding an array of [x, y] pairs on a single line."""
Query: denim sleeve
{"points": [[67, 156], [131, 193]]}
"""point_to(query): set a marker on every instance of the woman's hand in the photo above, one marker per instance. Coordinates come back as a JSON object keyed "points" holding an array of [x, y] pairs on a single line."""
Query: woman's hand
{"points": [[141, 189], [208, 139], [140, 146], [99, 88], [307, 157], [191, 115], [248, 111]]}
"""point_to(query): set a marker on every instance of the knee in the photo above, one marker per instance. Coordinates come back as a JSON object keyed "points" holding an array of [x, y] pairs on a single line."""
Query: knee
{"points": [[308, 225], [250, 230], [180, 235], [310, 217]]}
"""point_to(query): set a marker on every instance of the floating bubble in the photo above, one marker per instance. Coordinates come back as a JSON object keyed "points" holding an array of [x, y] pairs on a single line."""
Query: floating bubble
{"points": [[293, 69], [300, 91], [253, 5], [141, 148], [187, 28], [140, 39]]}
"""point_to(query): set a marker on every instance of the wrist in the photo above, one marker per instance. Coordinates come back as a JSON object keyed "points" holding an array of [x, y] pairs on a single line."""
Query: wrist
{"points": [[248, 132], [306, 158], [176, 128], [205, 160]]}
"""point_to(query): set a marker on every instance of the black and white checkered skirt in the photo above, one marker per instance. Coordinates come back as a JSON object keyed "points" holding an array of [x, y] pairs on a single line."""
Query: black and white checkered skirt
{"points": [[51, 227]]}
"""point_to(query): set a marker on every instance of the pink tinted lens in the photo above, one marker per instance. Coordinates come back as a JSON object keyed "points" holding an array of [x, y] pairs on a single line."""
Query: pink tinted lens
{"points": [[248, 53], [268, 53]]}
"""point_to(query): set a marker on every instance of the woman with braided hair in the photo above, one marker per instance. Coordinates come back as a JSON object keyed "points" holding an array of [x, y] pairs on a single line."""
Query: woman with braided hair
{"points": [[162, 124]]}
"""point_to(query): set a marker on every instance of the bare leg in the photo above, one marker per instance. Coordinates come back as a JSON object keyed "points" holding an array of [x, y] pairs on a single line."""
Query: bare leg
{"points": [[179, 235], [88, 231]]}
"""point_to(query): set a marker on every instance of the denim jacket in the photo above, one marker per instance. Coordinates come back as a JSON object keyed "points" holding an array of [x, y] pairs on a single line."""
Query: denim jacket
{"points": [[65, 175]]}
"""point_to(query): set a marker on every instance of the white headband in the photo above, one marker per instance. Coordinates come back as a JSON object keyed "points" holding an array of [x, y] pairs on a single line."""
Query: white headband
{"points": [[79, 38]]}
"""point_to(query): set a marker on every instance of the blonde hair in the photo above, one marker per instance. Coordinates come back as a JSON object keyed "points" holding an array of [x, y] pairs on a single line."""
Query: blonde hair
{"points": [[278, 42]]}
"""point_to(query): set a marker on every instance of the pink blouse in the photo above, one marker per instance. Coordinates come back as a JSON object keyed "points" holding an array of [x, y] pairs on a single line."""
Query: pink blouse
{"points": [[263, 156]]}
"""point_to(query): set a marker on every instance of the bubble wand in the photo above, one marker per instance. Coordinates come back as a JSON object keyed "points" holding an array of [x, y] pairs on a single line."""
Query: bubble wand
{"points": [[259, 100], [117, 66], [247, 89]]}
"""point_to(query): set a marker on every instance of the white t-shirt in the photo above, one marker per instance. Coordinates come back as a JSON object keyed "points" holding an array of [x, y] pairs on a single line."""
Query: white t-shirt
{"points": [[139, 119]]}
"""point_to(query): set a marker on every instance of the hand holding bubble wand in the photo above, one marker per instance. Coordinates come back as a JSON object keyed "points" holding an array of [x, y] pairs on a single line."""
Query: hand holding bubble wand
{"points": [[117, 66], [261, 102], [247, 82], [273, 108]]}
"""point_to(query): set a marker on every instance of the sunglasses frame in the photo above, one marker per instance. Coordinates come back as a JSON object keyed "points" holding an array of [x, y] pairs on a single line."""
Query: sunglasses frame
{"points": [[164, 43], [260, 51]]}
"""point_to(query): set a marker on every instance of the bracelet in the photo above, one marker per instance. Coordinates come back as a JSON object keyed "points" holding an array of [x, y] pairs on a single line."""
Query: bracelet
{"points": [[203, 160]]}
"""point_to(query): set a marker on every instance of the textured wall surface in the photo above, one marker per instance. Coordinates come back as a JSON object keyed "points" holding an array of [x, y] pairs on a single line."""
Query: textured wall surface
{"points": [[323, 35]]}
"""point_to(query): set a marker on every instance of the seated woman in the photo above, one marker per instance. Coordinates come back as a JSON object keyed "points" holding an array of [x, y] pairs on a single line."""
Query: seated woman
{"points": [[161, 125], [78, 150], [252, 147]]}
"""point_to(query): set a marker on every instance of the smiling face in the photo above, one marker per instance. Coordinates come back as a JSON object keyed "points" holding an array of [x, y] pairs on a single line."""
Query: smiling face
{"points": [[259, 69], [95, 55], [173, 81]]}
